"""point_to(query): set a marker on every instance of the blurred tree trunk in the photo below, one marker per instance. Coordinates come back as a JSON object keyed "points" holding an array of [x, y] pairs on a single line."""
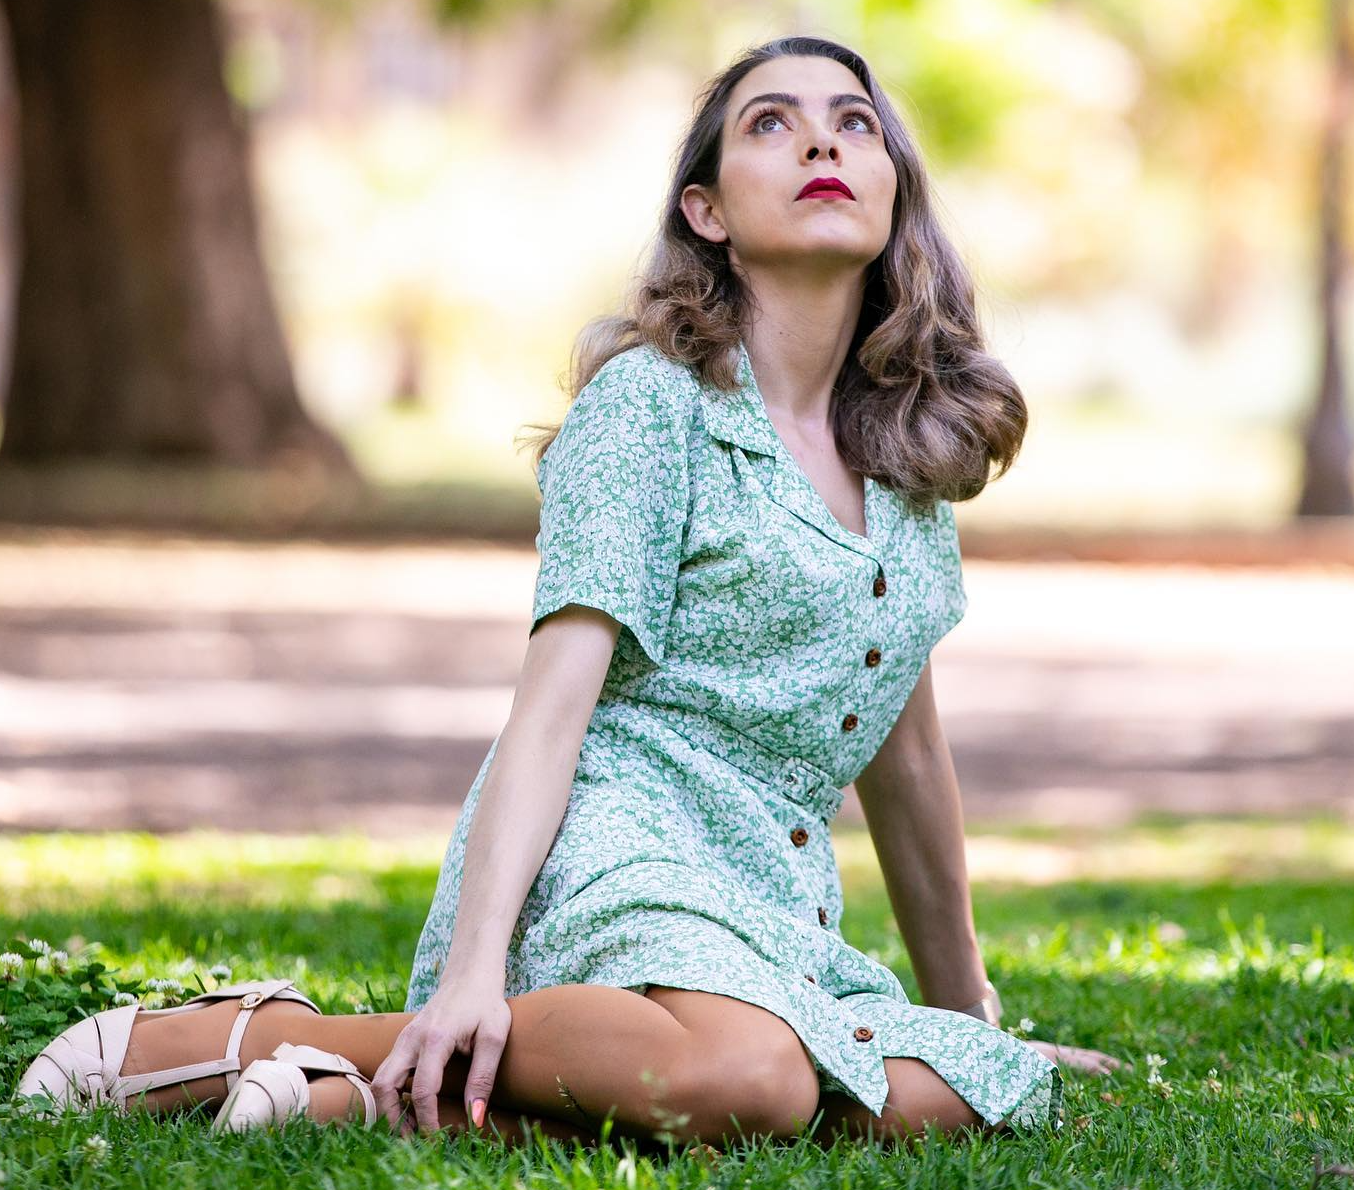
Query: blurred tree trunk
{"points": [[1326, 443], [145, 326]]}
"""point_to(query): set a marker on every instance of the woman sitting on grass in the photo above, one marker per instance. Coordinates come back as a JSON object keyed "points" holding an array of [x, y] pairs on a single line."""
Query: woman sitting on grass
{"points": [[747, 554]]}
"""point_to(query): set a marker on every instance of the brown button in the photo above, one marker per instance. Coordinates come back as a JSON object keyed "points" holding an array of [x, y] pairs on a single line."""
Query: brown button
{"points": [[864, 1033], [810, 978], [880, 586], [822, 916], [799, 836], [849, 723], [873, 658]]}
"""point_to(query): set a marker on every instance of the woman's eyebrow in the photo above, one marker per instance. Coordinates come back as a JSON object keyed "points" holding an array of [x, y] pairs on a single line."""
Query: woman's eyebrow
{"points": [[789, 100]]}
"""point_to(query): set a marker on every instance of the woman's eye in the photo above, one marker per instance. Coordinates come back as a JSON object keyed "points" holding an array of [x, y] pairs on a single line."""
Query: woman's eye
{"points": [[864, 117]]}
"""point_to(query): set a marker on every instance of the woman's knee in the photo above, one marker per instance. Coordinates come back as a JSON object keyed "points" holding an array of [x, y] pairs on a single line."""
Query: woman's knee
{"points": [[768, 1087], [919, 1095]]}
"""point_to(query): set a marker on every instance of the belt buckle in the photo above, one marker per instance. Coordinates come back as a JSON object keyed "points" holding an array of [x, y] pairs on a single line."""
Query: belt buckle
{"points": [[797, 783]]}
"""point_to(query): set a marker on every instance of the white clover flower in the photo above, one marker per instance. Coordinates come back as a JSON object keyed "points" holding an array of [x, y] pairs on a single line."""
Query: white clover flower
{"points": [[39, 945], [60, 961], [363, 1006], [220, 971], [10, 965], [1026, 1024], [164, 985], [4, 1020], [1154, 1064], [122, 998], [169, 989], [95, 1149]]}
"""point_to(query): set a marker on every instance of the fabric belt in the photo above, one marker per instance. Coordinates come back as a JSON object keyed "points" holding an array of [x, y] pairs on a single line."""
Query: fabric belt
{"points": [[794, 778]]}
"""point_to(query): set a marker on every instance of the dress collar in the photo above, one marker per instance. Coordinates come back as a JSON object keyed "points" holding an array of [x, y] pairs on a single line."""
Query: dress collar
{"points": [[740, 417]]}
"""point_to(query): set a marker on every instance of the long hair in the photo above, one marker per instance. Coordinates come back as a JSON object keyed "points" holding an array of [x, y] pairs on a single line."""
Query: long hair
{"points": [[919, 404]]}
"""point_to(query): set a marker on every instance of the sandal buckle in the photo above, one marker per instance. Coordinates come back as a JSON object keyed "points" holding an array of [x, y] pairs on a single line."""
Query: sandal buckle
{"points": [[251, 999]]}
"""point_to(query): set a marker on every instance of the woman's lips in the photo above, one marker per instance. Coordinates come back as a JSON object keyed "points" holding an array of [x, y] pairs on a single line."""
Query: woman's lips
{"points": [[825, 188]]}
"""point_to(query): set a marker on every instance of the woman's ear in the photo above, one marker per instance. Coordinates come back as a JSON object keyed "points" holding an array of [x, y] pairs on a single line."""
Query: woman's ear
{"points": [[702, 213]]}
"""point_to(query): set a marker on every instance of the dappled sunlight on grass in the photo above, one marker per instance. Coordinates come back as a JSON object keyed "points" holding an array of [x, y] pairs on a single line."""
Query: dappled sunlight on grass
{"points": [[1196, 849], [1213, 851], [240, 869], [1227, 996]]}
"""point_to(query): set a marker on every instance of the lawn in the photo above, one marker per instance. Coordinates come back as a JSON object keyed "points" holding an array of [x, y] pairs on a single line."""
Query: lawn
{"points": [[1237, 975]]}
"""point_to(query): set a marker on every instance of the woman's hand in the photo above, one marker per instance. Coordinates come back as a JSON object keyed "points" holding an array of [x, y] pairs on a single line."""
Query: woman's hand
{"points": [[1079, 1059], [461, 1016]]}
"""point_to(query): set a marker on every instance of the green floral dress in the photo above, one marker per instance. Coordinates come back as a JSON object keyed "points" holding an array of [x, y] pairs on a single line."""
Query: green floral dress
{"points": [[765, 653]]}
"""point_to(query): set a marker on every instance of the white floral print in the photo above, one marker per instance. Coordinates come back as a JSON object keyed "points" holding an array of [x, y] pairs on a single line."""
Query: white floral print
{"points": [[765, 652]]}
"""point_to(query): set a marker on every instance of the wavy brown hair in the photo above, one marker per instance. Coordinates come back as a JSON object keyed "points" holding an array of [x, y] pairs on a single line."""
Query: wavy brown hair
{"points": [[919, 404]]}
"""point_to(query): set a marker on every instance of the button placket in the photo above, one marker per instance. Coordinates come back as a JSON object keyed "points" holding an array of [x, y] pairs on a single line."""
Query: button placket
{"points": [[873, 656]]}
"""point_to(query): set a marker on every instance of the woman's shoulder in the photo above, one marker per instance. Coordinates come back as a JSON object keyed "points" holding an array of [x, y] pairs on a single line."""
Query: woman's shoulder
{"points": [[646, 376], [638, 402]]}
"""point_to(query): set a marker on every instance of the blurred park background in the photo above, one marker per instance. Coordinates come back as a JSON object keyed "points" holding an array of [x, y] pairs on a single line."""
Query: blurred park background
{"points": [[280, 281]]}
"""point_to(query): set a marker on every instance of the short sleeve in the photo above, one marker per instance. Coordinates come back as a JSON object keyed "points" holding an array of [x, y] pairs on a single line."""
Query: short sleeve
{"points": [[614, 501], [953, 597]]}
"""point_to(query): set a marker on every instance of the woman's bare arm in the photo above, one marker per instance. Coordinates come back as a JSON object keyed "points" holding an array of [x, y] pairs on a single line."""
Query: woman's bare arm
{"points": [[521, 804], [910, 796], [526, 789]]}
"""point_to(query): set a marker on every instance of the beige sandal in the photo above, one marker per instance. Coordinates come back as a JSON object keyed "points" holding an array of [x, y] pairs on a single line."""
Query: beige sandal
{"points": [[83, 1065], [273, 1089]]}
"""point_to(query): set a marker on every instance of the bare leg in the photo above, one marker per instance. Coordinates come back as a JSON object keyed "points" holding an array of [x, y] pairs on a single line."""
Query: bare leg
{"points": [[623, 1053], [158, 1042], [917, 1096]]}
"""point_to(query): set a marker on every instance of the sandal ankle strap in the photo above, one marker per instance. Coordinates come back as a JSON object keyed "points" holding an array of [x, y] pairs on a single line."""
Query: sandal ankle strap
{"points": [[133, 1084], [309, 1057], [229, 1065]]}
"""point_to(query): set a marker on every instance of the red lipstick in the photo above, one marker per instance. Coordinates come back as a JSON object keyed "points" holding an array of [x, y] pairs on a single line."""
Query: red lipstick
{"points": [[825, 188]]}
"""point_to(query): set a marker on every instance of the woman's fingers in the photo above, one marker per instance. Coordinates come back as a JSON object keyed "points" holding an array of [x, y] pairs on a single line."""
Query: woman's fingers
{"points": [[468, 1021], [428, 1076], [390, 1077], [1077, 1058], [479, 1081]]}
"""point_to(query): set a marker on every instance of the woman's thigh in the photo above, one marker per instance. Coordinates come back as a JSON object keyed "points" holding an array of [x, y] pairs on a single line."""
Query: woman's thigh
{"points": [[743, 1061], [918, 1095]]}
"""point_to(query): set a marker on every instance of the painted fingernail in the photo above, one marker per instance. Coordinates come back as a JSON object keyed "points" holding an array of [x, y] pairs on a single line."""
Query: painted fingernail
{"points": [[477, 1112]]}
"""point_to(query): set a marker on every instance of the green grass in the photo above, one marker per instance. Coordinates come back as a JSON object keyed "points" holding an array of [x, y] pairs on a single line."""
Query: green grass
{"points": [[1244, 986]]}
